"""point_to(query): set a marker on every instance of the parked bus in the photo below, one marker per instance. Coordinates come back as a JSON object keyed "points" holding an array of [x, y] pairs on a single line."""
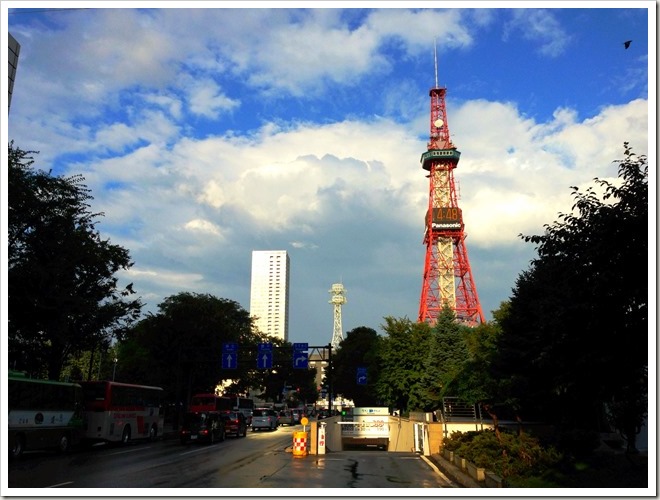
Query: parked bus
{"points": [[209, 402], [118, 412], [43, 414]]}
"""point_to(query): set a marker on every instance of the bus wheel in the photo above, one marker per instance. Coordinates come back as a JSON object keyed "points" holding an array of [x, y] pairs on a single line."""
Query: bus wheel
{"points": [[64, 444], [126, 435], [18, 446]]}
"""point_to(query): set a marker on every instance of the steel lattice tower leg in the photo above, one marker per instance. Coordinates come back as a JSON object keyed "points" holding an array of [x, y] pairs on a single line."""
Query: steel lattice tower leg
{"points": [[447, 274]]}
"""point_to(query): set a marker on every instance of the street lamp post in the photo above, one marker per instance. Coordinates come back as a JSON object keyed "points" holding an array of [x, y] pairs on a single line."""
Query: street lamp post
{"points": [[114, 369]]}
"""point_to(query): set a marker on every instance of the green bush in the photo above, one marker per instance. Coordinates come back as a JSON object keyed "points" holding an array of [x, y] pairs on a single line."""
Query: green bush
{"points": [[515, 456]]}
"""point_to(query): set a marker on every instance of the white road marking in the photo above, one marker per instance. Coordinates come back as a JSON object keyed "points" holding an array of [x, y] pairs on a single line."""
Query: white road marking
{"points": [[60, 484]]}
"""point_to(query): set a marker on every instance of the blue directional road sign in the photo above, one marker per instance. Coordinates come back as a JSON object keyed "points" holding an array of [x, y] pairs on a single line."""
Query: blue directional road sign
{"points": [[264, 359], [300, 359], [300, 346], [265, 355], [361, 378], [229, 355], [229, 360]]}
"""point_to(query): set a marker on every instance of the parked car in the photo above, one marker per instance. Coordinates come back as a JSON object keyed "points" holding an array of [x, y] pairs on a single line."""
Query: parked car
{"points": [[204, 426], [286, 417], [235, 423], [296, 415], [264, 418]]}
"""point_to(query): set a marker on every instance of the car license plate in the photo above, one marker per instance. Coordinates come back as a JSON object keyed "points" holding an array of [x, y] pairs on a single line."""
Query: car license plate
{"points": [[193, 436]]}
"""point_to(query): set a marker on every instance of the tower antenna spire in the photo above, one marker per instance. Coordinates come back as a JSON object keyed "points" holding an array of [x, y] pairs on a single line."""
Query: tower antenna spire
{"points": [[435, 56]]}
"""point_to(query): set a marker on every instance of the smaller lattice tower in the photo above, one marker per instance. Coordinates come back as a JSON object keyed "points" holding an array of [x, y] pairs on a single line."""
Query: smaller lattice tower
{"points": [[338, 298]]}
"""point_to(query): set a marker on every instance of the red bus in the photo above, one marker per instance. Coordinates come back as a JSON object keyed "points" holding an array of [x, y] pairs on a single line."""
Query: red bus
{"points": [[118, 412], [228, 402], [209, 402]]}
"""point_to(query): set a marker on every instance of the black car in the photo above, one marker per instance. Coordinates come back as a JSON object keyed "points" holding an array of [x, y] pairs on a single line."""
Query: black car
{"points": [[235, 423], [207, 426]]}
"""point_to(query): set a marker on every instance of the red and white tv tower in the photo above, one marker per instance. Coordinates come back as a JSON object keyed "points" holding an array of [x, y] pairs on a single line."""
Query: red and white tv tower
{"points": [[447, 274]]}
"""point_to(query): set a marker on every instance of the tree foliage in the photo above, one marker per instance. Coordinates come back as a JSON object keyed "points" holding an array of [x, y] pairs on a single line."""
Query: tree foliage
{"points": [[63, 292], [283, 383], [180, 347], [402, 357], [358, 349], [445, 358], [576, 336]]}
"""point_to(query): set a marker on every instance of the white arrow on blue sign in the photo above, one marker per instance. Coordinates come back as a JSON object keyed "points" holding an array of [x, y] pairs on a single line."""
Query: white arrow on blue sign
{"points": [[265, 360], [229, 360], [361, 376], [299, 359]]}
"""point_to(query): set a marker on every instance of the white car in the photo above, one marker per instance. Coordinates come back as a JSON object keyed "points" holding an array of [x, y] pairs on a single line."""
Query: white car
{"points": [[264, 418]]}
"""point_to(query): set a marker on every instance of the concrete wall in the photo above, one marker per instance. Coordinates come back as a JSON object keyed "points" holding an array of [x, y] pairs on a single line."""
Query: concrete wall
{"points": [[332, 435], [401, 436]]}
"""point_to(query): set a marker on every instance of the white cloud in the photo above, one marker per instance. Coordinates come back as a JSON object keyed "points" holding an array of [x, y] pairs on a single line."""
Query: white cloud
{"points": [[542, 27], [514, 174], [207, 99], [203, 226]]}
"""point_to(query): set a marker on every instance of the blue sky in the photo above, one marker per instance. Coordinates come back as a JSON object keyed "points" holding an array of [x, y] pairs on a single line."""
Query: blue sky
{"points": [[207, 133]]}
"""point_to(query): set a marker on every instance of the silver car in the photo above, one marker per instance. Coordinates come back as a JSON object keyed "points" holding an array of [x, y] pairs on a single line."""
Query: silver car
{"points": [[286, 418], [264, 418]]}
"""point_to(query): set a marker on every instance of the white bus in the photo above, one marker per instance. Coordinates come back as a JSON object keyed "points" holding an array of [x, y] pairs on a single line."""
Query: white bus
{"points": [[42, 414], [118, 412], [242, 404]]}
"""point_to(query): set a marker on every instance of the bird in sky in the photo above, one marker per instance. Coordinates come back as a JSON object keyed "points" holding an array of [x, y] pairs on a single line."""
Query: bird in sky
{"points": [[627, 43]]}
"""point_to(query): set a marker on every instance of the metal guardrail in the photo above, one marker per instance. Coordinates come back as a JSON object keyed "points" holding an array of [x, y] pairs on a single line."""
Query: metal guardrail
{"points": [[453, 409]]}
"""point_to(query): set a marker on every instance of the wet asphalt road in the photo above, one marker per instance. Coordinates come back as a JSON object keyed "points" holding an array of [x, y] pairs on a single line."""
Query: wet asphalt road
{"points": [[261, 460]]}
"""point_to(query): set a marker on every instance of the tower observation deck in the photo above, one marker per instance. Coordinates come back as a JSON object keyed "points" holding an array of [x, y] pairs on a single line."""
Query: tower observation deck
{"points": [[447, 274]]}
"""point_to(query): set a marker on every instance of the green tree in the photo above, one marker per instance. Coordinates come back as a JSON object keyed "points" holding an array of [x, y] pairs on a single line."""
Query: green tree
{"points": [[444, 362], [480, 382], [577, 329], [358, 349], [402, 357], [63, 292], [274, 381], [180, 347]]}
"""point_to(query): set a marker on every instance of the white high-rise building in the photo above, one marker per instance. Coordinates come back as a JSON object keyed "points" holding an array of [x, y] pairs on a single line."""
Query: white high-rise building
{"points": [[269, 292]]}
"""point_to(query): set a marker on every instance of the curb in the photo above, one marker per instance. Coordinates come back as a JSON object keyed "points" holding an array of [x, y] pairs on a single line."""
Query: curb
{"points": [[454, 473]]}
